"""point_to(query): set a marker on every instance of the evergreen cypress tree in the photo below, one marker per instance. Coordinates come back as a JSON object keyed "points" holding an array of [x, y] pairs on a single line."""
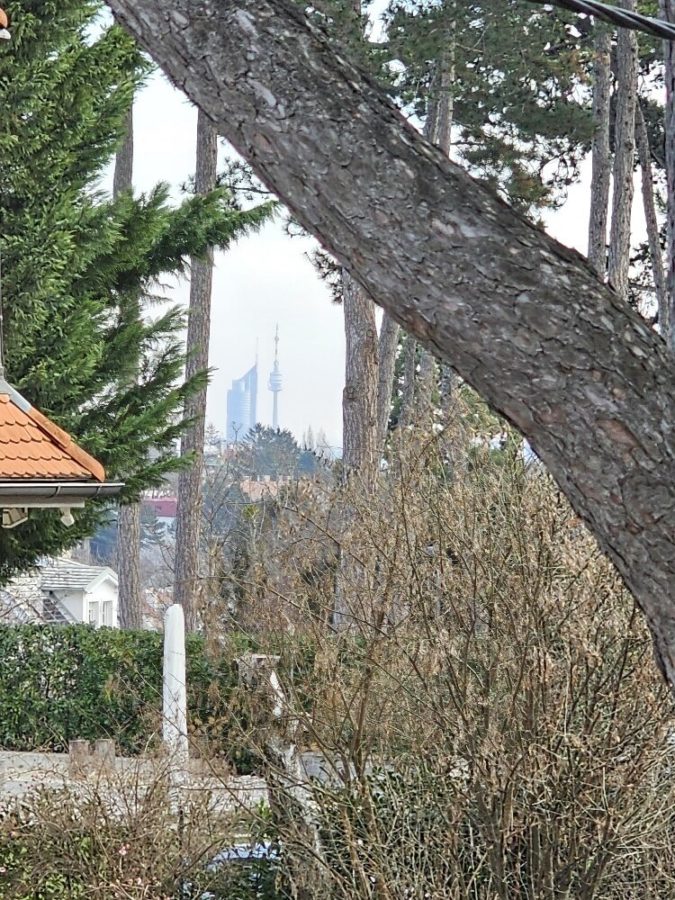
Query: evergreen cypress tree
{"points": [[75, 261]]}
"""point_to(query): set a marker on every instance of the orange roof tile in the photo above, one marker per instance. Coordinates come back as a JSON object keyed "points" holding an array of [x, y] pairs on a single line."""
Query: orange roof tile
{"points": [[32, 447]]}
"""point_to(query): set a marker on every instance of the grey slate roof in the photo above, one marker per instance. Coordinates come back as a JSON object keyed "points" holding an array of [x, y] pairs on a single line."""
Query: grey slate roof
{"points": [[66, 574]]}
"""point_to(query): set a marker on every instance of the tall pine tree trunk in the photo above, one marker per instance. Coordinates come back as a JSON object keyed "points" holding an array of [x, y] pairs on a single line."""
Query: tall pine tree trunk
{"points": [[129, 516], [649, 206], [360, 448], [387, 347], [360, 452], [624, 158], [186, 575], [409, 380], [601, 157], [667, 9]]}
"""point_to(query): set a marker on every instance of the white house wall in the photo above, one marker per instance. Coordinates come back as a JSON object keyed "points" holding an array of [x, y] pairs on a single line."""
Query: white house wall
{"points": [[73, 603], [104, 592]]}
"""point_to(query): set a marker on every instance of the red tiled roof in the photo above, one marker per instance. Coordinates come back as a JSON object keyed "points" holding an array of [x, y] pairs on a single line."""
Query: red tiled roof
{"points": [[32, 447]]}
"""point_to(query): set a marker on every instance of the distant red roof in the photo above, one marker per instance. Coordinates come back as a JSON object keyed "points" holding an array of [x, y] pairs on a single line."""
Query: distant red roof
{"points": [[32, 447], [164, 507]]}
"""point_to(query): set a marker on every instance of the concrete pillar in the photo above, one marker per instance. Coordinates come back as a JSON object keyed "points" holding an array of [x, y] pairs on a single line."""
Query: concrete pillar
{"points": [[174, 730], [104, 751], [78, 758]]}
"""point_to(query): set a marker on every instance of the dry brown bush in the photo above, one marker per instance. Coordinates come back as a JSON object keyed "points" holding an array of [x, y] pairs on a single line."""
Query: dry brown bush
{"points": [[114, 839], [492, 717]]}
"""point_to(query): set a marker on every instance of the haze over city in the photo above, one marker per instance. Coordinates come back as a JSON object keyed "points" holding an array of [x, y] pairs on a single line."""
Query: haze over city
{"points": [[259, 282], [270, 279]]}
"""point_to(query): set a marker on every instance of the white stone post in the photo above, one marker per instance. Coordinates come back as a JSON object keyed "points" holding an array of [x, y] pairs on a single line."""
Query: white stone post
{"points": [[174, 730]]}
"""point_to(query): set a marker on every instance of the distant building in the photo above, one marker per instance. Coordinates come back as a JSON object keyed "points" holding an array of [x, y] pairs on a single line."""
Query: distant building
{"points": [[242, 399], [61, 592], [275, 382], [163, 507]]}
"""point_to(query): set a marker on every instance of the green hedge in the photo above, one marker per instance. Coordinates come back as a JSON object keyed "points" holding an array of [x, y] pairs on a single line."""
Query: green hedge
{"points": [[60, 683]]}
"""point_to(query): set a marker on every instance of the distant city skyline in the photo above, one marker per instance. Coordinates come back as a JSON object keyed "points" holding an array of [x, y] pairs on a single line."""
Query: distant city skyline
{"points": [[268, 278], [242, 405]]}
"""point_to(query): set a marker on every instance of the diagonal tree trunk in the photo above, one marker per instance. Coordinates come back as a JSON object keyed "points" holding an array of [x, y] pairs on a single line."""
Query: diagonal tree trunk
{"points": [[624, 158], [523, 319], [188, 519], [129, 515], [600, 153]]}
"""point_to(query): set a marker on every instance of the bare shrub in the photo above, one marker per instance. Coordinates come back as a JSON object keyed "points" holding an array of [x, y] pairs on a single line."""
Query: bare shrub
{"points": [[111, 841], [491, 723]]}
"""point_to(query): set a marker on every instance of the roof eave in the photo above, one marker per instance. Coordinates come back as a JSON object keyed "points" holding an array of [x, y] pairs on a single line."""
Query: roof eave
{"points": [[53, 492]]}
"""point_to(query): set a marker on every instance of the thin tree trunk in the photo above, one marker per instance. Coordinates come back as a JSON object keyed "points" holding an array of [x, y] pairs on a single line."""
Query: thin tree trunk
{"points": [[417, 398], [653, 236], [443, 140], [123, 174], [438, 129], [601, 156], [360, 454], [521, 317], [409, 380], [186, 575], [624, 159], [129, 516], [443, 120], [667, 9], [386, 366], [360, 445]]}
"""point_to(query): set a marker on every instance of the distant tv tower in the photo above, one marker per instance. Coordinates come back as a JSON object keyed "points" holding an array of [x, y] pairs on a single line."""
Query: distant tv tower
{"points": [[274, 383]]}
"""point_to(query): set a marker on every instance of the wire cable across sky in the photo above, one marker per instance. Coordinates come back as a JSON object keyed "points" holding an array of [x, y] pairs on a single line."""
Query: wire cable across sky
{"points": [[624, 18]]}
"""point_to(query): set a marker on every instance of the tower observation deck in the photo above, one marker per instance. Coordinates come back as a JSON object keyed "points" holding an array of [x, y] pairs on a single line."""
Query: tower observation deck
{"points": [[275, 382]]}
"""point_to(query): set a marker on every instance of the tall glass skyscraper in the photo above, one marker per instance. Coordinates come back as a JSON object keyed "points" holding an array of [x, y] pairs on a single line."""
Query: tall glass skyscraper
{"points": [[242, 400]]}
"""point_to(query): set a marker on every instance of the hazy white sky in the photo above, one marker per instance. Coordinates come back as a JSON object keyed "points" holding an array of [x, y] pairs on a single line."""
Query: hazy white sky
{"points": [[267, 279], [261, 281]]}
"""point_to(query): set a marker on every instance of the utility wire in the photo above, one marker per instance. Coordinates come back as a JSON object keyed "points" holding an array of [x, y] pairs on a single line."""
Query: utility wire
{"points": [[624, 18]]}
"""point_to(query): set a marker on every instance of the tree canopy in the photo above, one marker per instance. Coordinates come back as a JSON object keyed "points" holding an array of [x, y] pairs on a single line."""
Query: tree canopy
{"points": [[75, 261]]}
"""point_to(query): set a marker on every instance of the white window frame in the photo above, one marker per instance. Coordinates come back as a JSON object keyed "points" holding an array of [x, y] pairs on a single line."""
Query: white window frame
{"points": [[107, 613]]}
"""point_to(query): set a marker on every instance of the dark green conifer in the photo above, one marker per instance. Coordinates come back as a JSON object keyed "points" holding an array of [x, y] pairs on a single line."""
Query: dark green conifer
{"points": [[75, 261]]}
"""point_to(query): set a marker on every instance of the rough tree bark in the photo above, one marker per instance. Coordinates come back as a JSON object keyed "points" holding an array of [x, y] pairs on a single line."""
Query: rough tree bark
{"points": [[624, 158], [386, 365], [667, 10], [360, 450], [600, 155], [418, 388], [186, 568], [523, 319], [129, 515], [409, 380], [649, 207]]}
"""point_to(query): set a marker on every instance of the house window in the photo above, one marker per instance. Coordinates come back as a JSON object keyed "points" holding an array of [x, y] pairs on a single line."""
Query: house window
{"points": [[107, 614], [93, 614]]}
